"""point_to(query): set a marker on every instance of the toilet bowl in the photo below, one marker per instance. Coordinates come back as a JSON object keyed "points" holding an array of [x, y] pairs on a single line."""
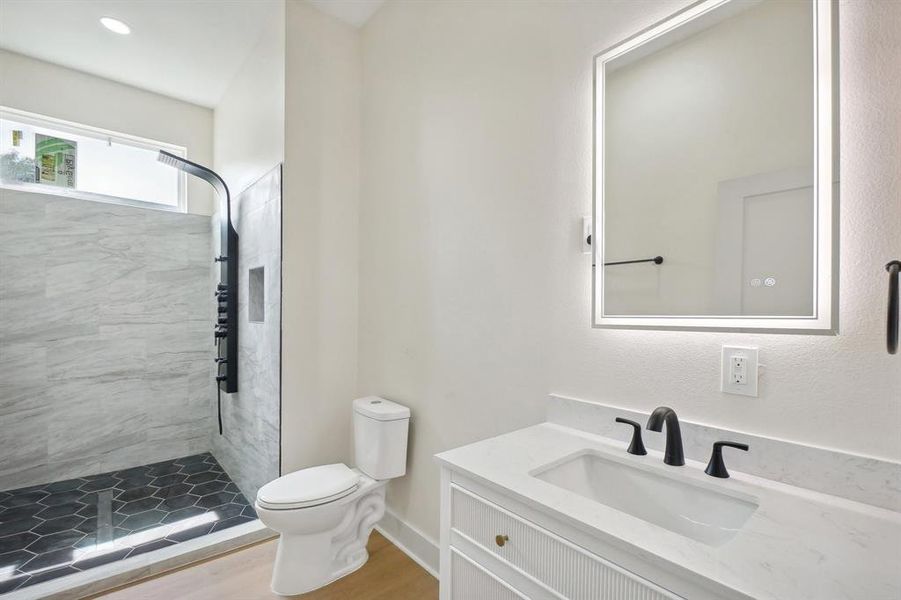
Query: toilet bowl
{"points": [[325, 514]]}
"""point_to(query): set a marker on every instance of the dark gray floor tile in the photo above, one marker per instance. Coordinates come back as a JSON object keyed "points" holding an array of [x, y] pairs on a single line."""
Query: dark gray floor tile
{"points": [[171, 491], [62, 498], [12, 583], [136, 493], [167, 480], [60, 510], [141, 520], [201, 477], [103, 483], [177, 502], [182, 514], [14, 560], [64, 486], [210, 487], [195, 458], [214, 500], [138, 506], [134, 481], [49, 560], [153, 497], [169, 469], [55, 541], [18, 525], [227, 511], [17, 541], [24, 499], [59, 524], [198, 467], [21, 512]]}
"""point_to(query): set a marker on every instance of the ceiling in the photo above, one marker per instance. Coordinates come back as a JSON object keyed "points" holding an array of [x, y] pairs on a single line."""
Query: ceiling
{"points": [[187, 49], [354, 12]]}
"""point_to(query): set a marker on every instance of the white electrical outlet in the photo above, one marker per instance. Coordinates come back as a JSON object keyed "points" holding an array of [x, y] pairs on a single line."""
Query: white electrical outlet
{"points": [[739, 371]]}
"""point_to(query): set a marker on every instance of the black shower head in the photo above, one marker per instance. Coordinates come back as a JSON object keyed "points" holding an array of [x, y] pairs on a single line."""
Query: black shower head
{"points": [[208, 175]]}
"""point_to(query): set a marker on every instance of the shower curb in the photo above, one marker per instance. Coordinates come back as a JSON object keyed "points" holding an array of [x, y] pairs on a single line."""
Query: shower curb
{"points": [[132, 570]]}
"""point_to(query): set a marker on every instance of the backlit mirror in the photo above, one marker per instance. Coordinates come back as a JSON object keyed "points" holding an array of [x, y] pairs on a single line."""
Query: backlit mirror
{"points": [[714, 171]]}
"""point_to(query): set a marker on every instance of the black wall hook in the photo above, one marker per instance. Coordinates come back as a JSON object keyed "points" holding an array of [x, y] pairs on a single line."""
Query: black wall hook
{"points": [[894, 310]]}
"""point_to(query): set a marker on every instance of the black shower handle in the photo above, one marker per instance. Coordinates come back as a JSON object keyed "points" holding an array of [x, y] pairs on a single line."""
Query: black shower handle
{"points": [[894, 310]]}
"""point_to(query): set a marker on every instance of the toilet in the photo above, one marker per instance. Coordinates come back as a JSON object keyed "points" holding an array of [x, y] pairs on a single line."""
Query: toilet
{"points": [[326, 513]]}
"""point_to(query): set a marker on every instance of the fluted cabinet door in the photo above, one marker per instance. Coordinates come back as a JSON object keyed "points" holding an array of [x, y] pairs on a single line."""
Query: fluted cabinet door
{"points": [[472, 582], [564, 569]]}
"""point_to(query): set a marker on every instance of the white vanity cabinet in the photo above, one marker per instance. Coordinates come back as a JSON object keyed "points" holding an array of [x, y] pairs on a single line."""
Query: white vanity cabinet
{"points": [[489, 552]]}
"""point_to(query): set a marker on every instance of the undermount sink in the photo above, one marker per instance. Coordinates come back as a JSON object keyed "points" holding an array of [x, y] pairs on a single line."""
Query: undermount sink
{"points": [[681, 506]]}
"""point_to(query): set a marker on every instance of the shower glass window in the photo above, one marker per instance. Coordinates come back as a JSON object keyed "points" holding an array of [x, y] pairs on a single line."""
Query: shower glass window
{"points": [[51, 156]]}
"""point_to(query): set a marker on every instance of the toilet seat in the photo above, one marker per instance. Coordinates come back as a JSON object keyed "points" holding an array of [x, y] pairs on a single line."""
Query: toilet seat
{"points": [[309, 487]]}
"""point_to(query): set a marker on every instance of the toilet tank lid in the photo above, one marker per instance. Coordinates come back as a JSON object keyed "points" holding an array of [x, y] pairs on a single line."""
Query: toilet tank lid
{"points": [[380, 409]]}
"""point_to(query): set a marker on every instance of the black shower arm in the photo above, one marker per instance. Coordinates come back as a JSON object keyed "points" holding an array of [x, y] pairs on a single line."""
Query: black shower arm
{"points": [[208, 175]]}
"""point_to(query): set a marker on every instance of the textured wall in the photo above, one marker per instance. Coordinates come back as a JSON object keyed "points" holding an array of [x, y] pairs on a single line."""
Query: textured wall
{"points": [[105, 339], [322, 148], [249, 446], [475, 298]]}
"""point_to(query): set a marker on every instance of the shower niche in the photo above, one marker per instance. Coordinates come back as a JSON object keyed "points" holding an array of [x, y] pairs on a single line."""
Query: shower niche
{"points": [[256, 295]]}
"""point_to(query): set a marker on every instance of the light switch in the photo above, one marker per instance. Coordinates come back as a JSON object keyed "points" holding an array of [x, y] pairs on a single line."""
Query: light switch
{"points": [[739, 370]]}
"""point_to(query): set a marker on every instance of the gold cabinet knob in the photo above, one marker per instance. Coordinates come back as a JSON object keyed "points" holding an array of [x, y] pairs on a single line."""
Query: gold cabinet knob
{"points": [[501, 540]]}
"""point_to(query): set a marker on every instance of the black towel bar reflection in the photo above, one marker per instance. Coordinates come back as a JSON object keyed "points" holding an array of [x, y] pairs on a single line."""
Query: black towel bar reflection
{"points": [[657, 260], [894, 307]]}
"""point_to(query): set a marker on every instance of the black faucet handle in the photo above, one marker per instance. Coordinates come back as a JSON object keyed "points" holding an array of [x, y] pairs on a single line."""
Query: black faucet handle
{"points": [[716, 467], [636, 446]]}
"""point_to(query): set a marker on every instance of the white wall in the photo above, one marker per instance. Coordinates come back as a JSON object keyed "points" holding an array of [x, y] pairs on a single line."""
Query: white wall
{"points": [[474, 296], [733, 100], [49, 89], [321, 193], [249, 121]]}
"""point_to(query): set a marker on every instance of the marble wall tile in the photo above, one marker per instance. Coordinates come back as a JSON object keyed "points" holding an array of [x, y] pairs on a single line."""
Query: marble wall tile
{"points": [[105, 337], [250, 445]]}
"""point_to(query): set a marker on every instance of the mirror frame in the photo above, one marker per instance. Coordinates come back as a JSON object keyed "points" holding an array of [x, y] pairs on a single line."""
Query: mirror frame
{"points": [[825, 316]]}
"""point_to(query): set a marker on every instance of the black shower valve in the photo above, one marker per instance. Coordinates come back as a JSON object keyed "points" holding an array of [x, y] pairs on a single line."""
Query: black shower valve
{"points": [[221, 377], [220, 258]]}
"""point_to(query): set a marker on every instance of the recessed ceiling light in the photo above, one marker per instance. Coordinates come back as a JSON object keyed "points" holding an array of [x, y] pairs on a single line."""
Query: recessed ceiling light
{"points": [[115, 25]]}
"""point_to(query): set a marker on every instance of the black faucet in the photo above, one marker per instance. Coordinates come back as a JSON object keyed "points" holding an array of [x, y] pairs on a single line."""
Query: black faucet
{"points": [[673, 454]]}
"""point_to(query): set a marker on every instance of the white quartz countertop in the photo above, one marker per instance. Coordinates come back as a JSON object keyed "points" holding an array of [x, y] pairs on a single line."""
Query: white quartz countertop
{"points": [[797, 545]]}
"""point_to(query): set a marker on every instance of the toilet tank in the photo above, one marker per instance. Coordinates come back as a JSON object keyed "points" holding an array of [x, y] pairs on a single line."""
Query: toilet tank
{"points": [[380, 437]]}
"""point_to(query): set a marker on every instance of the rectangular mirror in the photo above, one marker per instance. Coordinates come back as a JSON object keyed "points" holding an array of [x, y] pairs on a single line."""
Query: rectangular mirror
{"points": [[715, 171]]}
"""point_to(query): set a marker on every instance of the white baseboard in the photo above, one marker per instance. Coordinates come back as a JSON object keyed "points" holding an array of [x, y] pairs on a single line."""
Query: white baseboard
{"points": [[411, 542]]}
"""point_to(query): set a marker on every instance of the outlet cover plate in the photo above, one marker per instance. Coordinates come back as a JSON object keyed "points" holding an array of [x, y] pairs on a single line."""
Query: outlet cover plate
{"points": [[727, 366]]}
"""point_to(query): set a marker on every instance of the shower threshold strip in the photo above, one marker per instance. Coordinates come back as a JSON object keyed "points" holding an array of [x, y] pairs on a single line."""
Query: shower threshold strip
{"points": [[60, 528]]}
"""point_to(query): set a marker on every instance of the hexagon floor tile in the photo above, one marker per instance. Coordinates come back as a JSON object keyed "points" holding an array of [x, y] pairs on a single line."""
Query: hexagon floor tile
{"points": [[63, 527]]}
